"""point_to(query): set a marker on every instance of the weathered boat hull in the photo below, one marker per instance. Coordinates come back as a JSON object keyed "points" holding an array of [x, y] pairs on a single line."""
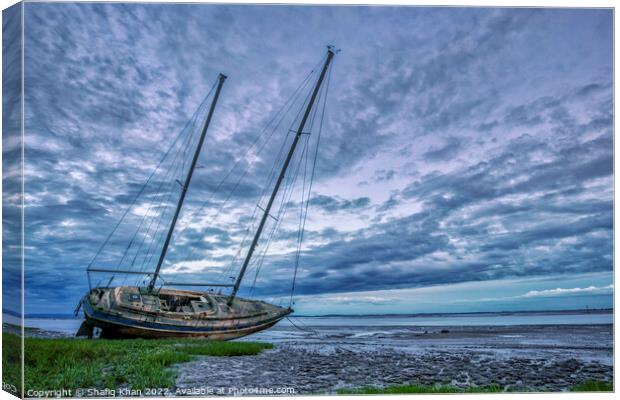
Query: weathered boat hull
{"points": [[116, 330], [116, 321]]}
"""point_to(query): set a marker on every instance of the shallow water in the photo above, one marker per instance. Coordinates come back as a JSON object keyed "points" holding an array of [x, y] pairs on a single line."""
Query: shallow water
{"points": [[491, 319], [377, 326]]}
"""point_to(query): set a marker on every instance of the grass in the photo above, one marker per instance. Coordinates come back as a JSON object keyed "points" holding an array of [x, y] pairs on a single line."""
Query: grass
{"points": [[11, 362], [414, 388], [587, 386], [138, 364], [593, 386]]}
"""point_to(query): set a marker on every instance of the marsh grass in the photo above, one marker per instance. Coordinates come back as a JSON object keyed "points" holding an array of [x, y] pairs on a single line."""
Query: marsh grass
{"points": [[135, 363], [11, 361], [593, 386], [587, 386]]}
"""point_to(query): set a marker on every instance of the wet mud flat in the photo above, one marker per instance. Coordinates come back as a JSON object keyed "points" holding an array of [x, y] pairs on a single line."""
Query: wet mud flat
{"points": [[325, 359], [34, 332]]}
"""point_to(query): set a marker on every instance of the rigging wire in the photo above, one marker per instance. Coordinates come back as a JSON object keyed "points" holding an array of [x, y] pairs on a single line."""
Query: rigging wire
{"points": [[287, 195], [157, 193], [310, 184], [278, 118], [164, 208], [160, 228], [281, 114], [289, 185], [159, 204], [143, 191], [106, 241], [287, 105], [279, 160], [163, 204], [311, 330], [254, 220], [284, 205], [173, 171]]}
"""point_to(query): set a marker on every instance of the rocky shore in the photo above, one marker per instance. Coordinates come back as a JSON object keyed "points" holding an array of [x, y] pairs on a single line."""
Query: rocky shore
{"points": [[534, 358]]}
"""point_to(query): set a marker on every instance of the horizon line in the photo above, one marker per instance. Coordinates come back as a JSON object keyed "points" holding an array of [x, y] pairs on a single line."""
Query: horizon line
{"points": [[47, 315]]}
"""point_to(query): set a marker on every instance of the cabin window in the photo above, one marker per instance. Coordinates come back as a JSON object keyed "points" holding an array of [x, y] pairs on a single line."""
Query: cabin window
{"points": [[134, 297]]}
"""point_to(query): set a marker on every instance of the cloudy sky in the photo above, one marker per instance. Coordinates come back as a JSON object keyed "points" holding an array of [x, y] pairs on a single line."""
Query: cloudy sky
{"points": [[465, 161]]}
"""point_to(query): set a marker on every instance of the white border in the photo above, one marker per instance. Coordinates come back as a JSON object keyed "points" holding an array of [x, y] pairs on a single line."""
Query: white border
{"points": [[483, 3]]}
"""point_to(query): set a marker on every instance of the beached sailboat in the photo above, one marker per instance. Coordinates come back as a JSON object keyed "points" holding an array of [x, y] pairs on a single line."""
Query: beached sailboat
{"points": [[149, 311]]}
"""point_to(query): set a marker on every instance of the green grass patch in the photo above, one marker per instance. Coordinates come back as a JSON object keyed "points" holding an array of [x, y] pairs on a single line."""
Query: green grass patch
{"points": [[108, 364], [587, 386], [11, 362], [414, 388], [593, 386]]}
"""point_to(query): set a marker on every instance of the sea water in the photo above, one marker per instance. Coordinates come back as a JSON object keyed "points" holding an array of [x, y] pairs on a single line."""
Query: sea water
{"points": [[369, 323]]}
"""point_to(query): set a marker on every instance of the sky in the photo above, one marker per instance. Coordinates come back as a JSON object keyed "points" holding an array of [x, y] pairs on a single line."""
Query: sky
{"points": [[465, 161]]}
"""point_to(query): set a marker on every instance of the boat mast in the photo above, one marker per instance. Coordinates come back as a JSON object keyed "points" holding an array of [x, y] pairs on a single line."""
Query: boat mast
{"points": [[330, 55], [190, 172]]}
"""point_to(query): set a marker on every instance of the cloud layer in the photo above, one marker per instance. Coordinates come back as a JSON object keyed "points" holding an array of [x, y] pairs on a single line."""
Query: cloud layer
{"points": [[460, 144]]}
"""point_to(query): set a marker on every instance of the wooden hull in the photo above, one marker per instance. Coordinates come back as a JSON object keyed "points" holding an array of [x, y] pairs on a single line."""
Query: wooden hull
{"points": [[114, 330], [115, 321]]}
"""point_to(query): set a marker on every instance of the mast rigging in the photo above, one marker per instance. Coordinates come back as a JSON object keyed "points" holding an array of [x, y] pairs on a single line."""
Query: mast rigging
{"points": [[267, 209], [136, 311], [188, 179]]}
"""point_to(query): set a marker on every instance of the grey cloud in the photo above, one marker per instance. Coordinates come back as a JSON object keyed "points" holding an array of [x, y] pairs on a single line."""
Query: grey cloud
{"points": [[108, 86], [448, 150], [332, 204]]}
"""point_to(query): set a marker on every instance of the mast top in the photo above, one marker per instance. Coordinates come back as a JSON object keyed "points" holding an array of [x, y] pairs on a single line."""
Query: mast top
{"points": [[332, 49]]}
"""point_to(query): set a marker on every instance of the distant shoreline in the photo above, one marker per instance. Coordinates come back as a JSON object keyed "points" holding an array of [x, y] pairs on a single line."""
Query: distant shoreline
{"points": [[537, 312], [499, 313]]}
